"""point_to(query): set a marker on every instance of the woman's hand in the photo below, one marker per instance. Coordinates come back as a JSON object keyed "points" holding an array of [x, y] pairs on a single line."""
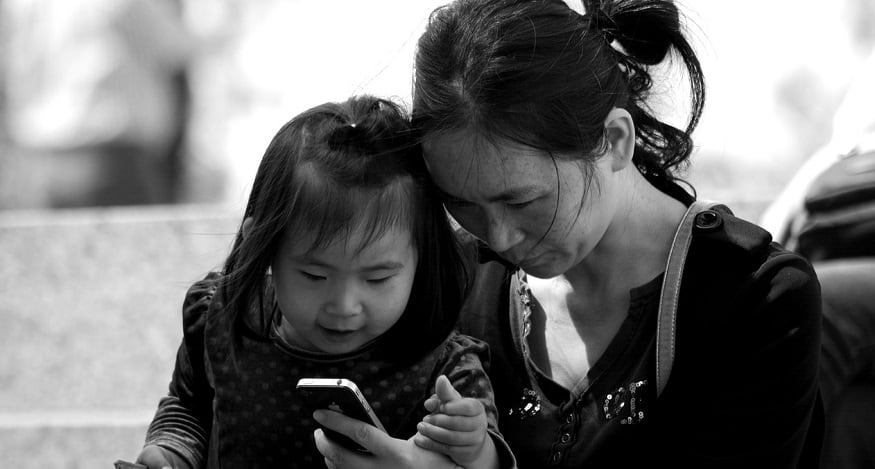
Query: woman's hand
{"points": [[156, 457], [387, 452]]}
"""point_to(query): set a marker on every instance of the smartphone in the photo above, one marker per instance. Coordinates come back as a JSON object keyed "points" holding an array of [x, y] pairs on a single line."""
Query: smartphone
{"points": [[128, 465], [340, 395]]}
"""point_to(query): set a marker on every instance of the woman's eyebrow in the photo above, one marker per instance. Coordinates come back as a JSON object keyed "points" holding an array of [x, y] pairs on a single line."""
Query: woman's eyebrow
{"points": [[516, 193]]}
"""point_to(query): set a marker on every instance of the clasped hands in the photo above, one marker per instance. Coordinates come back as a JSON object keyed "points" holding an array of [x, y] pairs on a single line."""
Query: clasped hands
{"points": [[453, 435]]}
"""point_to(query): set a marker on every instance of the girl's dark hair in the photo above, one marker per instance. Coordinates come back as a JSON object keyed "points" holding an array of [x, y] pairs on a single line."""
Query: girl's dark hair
{"points": [[537, 73], [333, 169]]}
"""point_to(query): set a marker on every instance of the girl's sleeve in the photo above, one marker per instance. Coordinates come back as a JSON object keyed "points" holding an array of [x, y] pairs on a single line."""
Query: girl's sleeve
{"points": [[465, 367], [183, 420]]}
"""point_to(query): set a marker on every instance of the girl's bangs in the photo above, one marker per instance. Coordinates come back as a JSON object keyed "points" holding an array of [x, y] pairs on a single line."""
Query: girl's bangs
{"points": [[323, 211]]}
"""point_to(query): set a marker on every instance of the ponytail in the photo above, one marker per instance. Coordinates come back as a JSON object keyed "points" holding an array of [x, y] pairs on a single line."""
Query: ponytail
{"points": [[647, 32]]}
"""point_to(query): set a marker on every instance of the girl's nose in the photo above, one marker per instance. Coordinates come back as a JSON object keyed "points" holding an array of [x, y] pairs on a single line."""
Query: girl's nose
{"points": [[345, 300]]}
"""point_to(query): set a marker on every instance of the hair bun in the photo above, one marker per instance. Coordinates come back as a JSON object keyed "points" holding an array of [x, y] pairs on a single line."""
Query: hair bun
{"points": [[602, 22], [646, 29]]}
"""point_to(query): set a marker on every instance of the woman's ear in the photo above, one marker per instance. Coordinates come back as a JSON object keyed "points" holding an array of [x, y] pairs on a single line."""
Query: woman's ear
{"points": [[620, 133], [247, 226]]}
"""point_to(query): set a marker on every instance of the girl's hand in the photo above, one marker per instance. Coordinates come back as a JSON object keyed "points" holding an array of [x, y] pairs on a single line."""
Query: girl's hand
{"points": [[456, 427], [387, 452], [156, 457]]}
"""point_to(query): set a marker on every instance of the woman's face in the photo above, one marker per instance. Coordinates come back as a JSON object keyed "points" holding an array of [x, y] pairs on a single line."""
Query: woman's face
{"points": [[535, 211]]}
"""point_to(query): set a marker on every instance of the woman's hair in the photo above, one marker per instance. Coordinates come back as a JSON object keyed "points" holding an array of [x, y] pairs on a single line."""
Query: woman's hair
{"points": [[335, 169], [537, 73]]}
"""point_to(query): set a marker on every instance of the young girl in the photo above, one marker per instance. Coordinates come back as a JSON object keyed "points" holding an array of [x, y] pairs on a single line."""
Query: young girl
{"points": [[344, 266]]}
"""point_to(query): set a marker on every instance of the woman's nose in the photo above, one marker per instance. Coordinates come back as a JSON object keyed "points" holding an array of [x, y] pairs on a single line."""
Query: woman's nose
{"points": [[502, 234]]}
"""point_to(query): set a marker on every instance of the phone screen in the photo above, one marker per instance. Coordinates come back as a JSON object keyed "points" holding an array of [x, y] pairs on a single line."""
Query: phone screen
{"points": [[340, 395]]}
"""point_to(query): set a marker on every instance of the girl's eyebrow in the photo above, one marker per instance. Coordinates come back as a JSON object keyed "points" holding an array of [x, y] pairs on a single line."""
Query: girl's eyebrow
{"points": [[311, 262], [389, 265]]}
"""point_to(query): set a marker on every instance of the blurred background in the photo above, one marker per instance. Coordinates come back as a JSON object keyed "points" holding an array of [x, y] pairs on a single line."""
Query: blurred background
{"points": [[130, 131], [131, 102]]}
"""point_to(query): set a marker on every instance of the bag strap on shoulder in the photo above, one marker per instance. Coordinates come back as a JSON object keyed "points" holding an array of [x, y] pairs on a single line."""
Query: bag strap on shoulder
{"points": [[668, 299]]}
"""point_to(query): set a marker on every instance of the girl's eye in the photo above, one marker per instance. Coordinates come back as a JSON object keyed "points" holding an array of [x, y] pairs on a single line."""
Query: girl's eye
{"points": [[378, 281], [311, 277]]}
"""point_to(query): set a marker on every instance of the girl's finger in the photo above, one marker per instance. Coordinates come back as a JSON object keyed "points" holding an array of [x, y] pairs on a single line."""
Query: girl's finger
{"points": [[432, 403], [455, 422], [445, 390], [464, 407], [450, 437]]}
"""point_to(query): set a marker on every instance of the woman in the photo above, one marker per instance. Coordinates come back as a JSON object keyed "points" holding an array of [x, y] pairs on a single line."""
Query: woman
{"points": [[536, 128]]}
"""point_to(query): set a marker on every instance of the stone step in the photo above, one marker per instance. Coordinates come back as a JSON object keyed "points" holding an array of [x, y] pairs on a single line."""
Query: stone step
{"points": [[69, 447], [90, 302], [90, 306]]}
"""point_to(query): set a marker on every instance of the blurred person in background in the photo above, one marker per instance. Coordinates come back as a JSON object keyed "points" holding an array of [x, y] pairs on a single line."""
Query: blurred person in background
{"points": [[838, 237], [96, 102], [853, 130]]}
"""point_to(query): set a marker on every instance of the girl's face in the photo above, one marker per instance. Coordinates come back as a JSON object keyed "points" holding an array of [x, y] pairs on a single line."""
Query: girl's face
{"points": [[337, 299], [531, 209]]}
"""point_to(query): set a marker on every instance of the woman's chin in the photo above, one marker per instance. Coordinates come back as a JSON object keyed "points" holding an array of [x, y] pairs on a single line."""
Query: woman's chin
{"points": [[544, 267]]}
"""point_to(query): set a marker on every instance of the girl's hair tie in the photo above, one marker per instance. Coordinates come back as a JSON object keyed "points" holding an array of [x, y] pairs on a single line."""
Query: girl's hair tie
{"points": [[350, 136]]}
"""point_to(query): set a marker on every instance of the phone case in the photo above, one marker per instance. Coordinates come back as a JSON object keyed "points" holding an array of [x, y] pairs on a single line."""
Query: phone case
{"points": [[340, 395]]}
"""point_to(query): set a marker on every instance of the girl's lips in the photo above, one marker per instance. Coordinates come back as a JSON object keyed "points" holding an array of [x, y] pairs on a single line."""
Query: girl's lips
{"points": [[337, 335]]}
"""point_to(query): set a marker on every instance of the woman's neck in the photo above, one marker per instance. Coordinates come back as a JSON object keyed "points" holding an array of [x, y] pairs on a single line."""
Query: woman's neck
{"points": [[635, 246]]}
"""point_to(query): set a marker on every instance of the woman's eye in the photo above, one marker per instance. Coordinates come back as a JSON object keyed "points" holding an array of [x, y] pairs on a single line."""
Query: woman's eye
{"points": [[519, 205], [311, 277]]}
